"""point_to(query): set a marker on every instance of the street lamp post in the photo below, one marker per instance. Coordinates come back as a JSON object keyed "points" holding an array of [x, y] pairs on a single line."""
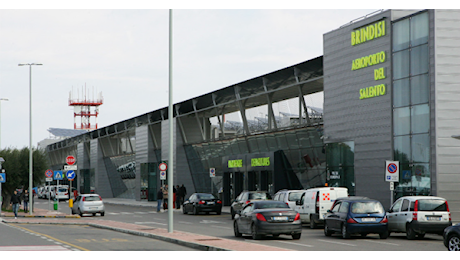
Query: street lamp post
{"points": [[30, 135], [1, 99]]}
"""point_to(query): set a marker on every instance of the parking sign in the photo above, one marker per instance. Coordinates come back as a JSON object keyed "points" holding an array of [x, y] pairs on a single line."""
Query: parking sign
{"points": [[392, 171]]}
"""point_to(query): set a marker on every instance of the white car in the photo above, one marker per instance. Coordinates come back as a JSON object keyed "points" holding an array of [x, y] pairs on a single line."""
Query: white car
{"points": [[418, 215], [289, 197], [62, 193], [88, 204]]}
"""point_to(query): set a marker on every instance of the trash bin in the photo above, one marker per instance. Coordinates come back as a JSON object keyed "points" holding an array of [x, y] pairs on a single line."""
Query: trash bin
{"points": [[55, 204]]}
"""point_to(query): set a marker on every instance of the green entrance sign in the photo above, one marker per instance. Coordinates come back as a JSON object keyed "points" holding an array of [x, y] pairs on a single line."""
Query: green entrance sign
{"points": [[235, 163], [265, 161]]}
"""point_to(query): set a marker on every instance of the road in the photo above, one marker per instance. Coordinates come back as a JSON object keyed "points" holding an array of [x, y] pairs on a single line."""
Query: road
{"points": [[222, 226]]}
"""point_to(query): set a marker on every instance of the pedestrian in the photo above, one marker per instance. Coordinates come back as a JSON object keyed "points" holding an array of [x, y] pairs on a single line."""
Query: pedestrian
{"points": [[25, 198], [15, 201], [165, 197], [178, 196], [183, 192], [174, 197], [159, 199]]}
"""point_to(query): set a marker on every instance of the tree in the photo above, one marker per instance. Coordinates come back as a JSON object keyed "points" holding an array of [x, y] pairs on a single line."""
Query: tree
{"points": [[16, 166]]}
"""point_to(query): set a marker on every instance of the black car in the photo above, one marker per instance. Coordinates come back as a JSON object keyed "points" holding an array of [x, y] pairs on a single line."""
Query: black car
{"points": [[451, 237], [245, 197], [260, 218], [356, 216], [202, 202]]}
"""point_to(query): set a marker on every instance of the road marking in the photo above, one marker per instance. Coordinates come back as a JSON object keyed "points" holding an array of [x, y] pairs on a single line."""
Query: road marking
{"points": [[156, 223], [50, 237], [33, 248], [221, 227], [295, 244], [141, 212], [327, 241], [113, 213], [378, 242], [183, 222], [210, 222], [126, 213]]}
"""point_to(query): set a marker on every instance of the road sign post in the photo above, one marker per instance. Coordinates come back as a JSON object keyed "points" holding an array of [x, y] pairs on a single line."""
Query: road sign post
{"points": [[70, 176], [49, 178], [212, 174], [57, 177], [392, 175]]}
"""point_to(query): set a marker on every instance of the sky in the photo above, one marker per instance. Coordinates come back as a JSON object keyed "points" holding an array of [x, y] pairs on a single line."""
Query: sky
{"points": [[122, 52]]}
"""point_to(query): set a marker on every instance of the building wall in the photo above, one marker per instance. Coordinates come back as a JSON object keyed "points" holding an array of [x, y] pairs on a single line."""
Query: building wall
{"points": [[367, 122], [143, 153], [447, 95], [102, 184]]}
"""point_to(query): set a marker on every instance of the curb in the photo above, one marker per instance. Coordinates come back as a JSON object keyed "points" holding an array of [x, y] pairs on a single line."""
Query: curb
{"points": [[41, 216], [166, 239]]}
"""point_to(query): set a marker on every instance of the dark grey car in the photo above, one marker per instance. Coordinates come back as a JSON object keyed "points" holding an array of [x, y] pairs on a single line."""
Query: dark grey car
{"points": [[269, 217], [245, 197]]}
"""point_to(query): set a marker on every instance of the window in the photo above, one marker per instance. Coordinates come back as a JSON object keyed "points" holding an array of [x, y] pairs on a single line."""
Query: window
{"points": [[344, 207], [411, 103], [405, 205], [336, 207], [396, 206]]}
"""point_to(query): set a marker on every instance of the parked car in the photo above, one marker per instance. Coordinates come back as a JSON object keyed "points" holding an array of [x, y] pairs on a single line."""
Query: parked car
{"points": [[451, 237], [88, 204], [356, 216], [202, 202], [289, 196], [315, 202], [62, 193], [260, 218], [418, 215], [245, 197]]}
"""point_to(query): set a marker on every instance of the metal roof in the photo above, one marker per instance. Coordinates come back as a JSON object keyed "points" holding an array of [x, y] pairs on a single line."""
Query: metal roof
{"points": [[61, 132], [282, 84]]}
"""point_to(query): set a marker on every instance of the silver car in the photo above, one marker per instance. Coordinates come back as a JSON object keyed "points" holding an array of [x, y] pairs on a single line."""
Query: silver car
{"points": [[88, 204], [418, 215]]}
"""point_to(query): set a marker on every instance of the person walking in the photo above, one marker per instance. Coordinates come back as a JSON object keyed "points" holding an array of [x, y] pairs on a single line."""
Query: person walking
{"points": [[165, 197], [159, 199], [183, 192], [25, 199], [15, 201], [178, 196]]}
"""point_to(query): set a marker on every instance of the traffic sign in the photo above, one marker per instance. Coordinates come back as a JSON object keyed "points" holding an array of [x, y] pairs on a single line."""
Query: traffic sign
{"points": [[212, 172], [58, 175], [163, 166], [49, 179], [49, 173], [392, 185], [392, 171], [162, 175], [70, 175], [70, 160], [70, 167], [2, 178]]}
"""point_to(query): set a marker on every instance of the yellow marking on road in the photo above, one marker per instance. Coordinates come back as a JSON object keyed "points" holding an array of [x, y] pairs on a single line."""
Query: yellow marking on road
{"points": [[50, 237]]}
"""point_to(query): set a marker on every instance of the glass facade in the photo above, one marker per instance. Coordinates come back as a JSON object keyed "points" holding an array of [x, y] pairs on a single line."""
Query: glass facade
{"points": [[302, 148], [340, 165], [411, 108]]}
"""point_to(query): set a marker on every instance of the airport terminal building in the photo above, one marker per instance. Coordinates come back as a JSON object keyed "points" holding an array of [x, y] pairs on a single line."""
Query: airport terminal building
{"points": [[390, 86]]}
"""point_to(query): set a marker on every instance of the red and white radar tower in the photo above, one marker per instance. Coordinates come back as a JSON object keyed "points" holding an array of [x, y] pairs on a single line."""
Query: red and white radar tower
{"points": [[85, 108]]}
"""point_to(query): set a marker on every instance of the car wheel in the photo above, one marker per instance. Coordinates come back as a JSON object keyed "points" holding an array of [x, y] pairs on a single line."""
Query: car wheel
{"points": [[410, 233], [296, 236], [363, 234], [454, 243], [219, 212], [207, 212], [421, 236], [384, 235], [102, 214], [195, 211], [94, 214], [312, 223], [254, 234], [276, 235], [345, 233], [183, 210], [80, 213], [327, 232], [236, 230]]}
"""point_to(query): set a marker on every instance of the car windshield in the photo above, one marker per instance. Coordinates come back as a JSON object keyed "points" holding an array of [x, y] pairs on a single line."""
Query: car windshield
{"points": [[432, 205], [92, 198], [259, 196], [271, 205], [294, 196], [367, 207], [205, 196], [62, 190]]}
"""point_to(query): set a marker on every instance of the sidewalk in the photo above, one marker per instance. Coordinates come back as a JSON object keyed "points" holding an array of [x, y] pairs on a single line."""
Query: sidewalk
{"points": [[196, 241]]}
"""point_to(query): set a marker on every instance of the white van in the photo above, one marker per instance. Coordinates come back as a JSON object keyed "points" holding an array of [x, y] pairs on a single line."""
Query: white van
{"points": [[289, 196], [315, 202]]}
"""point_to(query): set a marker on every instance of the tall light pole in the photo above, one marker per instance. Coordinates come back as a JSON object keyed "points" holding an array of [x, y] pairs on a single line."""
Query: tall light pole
{"points": [[1, 99], [171, 134], [30, 135]]}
